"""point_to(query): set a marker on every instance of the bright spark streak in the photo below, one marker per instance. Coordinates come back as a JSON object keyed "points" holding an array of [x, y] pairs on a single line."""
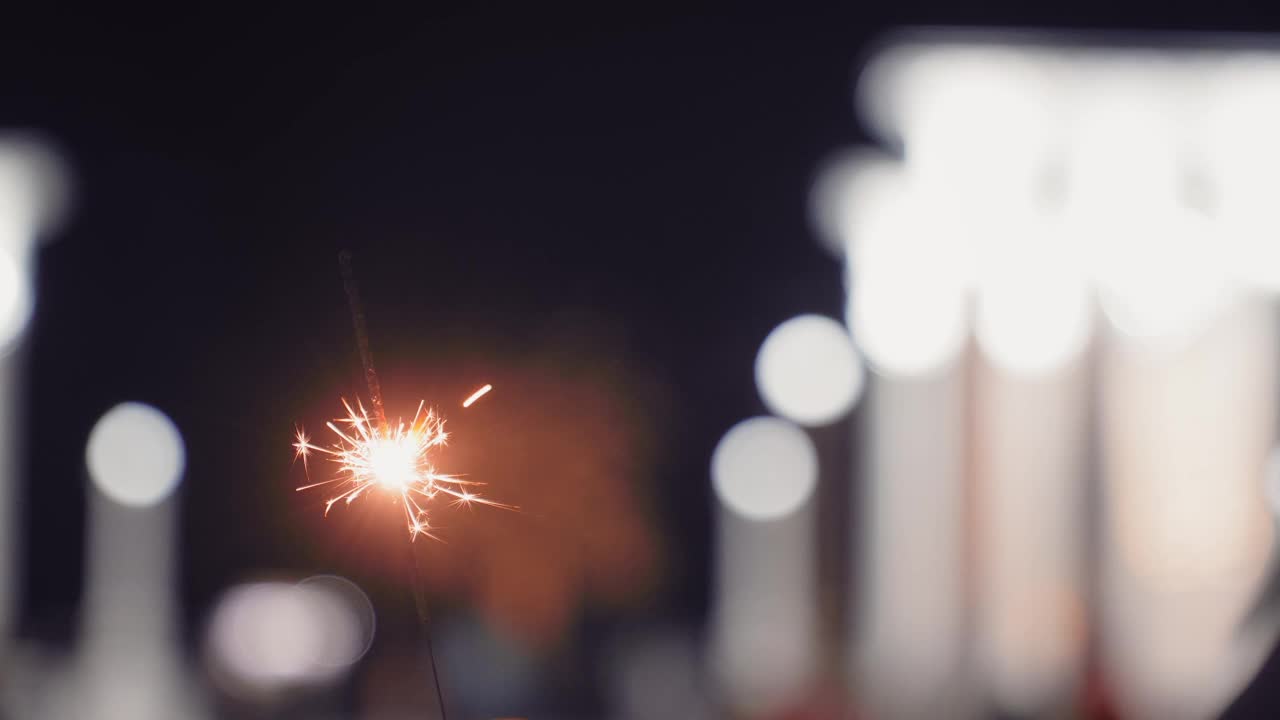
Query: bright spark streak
{"points": [[395, 458], [476, 396]]}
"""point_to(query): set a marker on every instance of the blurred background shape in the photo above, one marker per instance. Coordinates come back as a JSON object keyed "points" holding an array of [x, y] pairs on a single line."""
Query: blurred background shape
{"points": [[126, 662], [1069, 175], [33, 195], [764, 626], [271, 637]]}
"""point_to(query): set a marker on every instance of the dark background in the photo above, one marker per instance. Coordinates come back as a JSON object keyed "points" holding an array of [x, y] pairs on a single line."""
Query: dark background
{"points": [[492, 167]]}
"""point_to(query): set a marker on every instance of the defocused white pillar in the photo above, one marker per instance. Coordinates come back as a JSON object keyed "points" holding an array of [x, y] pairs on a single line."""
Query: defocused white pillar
{"points": [[32, 190], [1186, 434], [907, 312], [1159, 165], [764, 618], [765, 622], [1031, 408], [129, 664], [909, 627], [1030, 443]]}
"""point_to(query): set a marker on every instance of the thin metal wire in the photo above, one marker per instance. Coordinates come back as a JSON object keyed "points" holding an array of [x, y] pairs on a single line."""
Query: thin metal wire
{"points": [[362, 337], [380, 416], [424, 619]]}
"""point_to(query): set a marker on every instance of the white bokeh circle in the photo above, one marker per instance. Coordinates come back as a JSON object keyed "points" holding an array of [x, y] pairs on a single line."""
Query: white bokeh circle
{"points": [[764, 468], [269, 636], [135, 455], [808, 371]]}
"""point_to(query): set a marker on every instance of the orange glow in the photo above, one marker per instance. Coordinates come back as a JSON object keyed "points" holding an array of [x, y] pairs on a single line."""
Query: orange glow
{"points": [[397, 460], [476, 396]]}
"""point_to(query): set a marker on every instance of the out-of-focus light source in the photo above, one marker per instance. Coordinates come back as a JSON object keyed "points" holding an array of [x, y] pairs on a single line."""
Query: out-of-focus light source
{"points": [[1123, 154], [1033, 307], [1160, 164], [354, 621], [906, 271], [1243, 156], [135, 455], [847, 188], [907, 304], [764, 468], [272, 636], [980, 127], [1163, 280], [15, 298], [807, 370]]}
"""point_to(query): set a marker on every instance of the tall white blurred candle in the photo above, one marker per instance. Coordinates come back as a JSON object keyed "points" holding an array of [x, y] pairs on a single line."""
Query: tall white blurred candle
{"points": [[32, 196], [764, 618], [907, 313], [1185, 438], [128, 664]]}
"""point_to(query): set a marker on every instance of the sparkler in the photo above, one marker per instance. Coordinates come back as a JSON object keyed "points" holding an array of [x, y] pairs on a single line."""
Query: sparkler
{"points": [[372, 454], [396, 459]]}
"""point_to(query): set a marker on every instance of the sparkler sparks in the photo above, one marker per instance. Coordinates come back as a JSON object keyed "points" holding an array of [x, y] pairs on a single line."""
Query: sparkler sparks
{"points": [[476, 396], [396, 459]]}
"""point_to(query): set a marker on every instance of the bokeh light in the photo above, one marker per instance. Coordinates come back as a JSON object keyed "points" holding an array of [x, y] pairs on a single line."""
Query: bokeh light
{"points": [[764, 468], [908, 277], [807, 370], [272, 636], [1033, 310], [1243, 159], [1161, 277], [354, 620], [135, 455]]}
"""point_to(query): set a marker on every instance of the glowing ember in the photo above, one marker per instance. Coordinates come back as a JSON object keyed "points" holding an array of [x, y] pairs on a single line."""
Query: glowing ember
{"points": [[395, 458], [476, 396]]}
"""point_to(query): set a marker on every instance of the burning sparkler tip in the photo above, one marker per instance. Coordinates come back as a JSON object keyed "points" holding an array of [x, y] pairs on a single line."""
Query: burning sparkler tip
{"points": [[393, 456]]}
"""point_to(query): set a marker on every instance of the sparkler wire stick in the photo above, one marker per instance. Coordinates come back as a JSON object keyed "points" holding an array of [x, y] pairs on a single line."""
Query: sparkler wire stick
{"points": [[380, 415], [362, 338], [424, 619]]}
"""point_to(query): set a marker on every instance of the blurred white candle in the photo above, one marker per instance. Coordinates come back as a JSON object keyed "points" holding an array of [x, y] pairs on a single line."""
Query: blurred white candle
{"points": [[1030, 445], [764, 618], [907, 313], [909, 628], [128, 664], [1185, 438], [1031, 456], [32, 189]]}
